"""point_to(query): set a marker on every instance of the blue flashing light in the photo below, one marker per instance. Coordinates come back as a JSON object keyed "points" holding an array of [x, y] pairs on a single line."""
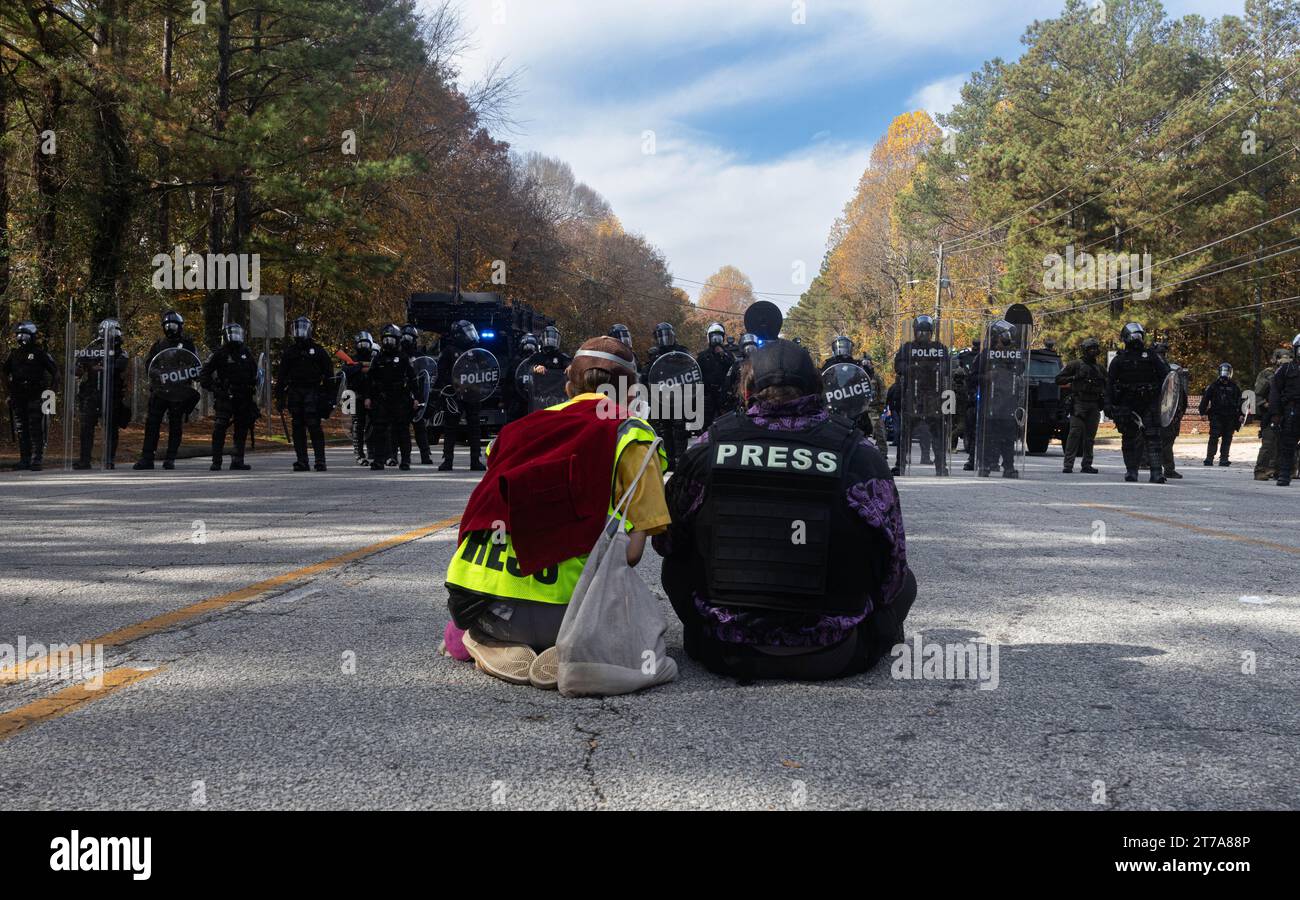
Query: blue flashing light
{"points": [[488, 334]]}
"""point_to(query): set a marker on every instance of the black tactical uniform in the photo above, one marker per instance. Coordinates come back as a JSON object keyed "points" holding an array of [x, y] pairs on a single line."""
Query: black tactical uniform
{"points": [[965, 360], [230, 375], [1133, 385], [673, 428], [1086, 381], [919, 365], [1169, 433], [29, 371], [392, 401], [160, 406], [410, 348], [715, 363], [1221, 404], [460, 422], [90, 387], [354, 376], [863, 422], [1266, 461], [996, 371], [1284, 406], [305, 383]]}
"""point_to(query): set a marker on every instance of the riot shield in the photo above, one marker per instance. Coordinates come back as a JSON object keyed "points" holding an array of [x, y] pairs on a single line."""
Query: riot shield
{"points": [[69, 413], [925, 398], [1002, 398], [1171, 392], [848, 389], [426, 373], [669, 379], [172, 374], [476, 375], [546, 390]]}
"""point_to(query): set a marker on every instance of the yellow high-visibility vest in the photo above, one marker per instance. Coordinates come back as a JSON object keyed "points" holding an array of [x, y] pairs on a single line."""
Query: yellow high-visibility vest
{"points": [[485, 562]]}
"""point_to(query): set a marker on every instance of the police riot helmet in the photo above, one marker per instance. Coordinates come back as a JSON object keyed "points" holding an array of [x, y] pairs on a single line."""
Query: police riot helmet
{"points": [[1281, 355], [664, 335], [410, 335], [716, 334], [1049, 344], [528, 344], [1295, 344], [232, 333], [1132, 336], [25, 332], [622, 333], [867, 362], [390, 337], [300, 330], [550, 338], [1002, 332], [748, 343], [172, 323], [1090, 346], [363, 341], [841, 346], [112, 329], [923, 327], [1225, 370], [785, 363], [463, 333], [975, 345], [1160, 348]]}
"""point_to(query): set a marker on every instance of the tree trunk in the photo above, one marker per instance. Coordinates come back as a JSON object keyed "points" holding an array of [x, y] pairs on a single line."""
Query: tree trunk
{"points": [[46, 170], [4, 203], [214, 299]]}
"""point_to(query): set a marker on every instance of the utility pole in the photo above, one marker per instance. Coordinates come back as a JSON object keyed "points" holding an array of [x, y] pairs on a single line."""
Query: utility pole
{"points": [[938, 288]]}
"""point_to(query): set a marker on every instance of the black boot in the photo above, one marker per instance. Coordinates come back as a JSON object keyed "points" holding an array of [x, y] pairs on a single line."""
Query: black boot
{"points": [[1283, 477], [301, 466], [1088, 469], [446, 464], [143, 463], [1131, 475]]}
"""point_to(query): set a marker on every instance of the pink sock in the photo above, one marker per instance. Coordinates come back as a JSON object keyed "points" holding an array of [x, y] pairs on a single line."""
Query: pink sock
{"points": [[452, 639]]}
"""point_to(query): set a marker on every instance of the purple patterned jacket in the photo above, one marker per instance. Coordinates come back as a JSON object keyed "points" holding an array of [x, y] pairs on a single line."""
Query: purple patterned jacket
{"points": [[873, 496]]}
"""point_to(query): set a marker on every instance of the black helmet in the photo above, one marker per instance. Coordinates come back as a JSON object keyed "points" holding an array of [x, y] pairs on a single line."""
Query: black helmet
{"points": [[1132, 336], [1225, 370], [748, 343], [780, 362], [528, 344], [716, 334], [841, 346], [1049, 344], [923, 325], [363, 341], [172, 323], [1002, 332], [25, 332], [975, 345], [1160, 349], [1090, 346], [111, 329], [463, 333], [1281, 355], [410, 335], [390, 337], [300, 329], [867, 362], [664, 335], [232, 333], [621, 332], [550, 338]]}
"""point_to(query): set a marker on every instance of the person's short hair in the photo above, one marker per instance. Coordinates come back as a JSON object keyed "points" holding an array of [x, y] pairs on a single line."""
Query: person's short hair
{"points": [[780, 393]]}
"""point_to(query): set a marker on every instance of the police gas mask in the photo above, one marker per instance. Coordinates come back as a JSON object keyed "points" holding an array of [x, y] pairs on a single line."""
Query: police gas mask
{"points": [[1091, 349], [622, 333], [1225, 372], [923, 328], [716, 335], [664, 335], [528, 345], [748, 344], [550, 338], [25, 334], [841, 346], [172, 323], [233, 334], [1000, 333], [1132, 336], [300, 330], [111, 330], [390, 338]]}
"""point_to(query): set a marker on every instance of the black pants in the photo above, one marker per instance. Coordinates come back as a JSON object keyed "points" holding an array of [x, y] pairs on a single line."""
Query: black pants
{"points": [[1288, 435], [306, 421], [90, 412], [175, 413], [360, 425], [1083, 432], [1221, 431], [390, 435], [862, 649], [999, 444], [29, 424], [462, 427], [1140, 442], [242, 418], [928, 430]]}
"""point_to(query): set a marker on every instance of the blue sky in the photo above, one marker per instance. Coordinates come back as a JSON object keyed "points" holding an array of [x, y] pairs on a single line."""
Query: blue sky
{"points": [[762, 124]]}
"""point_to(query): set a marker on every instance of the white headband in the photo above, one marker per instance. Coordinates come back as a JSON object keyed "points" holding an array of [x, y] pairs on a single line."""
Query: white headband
{"points": [[610, 357]]}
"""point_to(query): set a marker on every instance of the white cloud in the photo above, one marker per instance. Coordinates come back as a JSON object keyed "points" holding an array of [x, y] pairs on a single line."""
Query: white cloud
{"points": [[940, 96]]}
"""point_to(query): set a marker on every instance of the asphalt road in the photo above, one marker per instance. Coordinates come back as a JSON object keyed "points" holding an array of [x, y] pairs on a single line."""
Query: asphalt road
{"points": [[1147, 636]]}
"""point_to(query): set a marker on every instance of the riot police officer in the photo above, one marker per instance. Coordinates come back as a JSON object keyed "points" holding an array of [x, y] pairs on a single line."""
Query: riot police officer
{"points": [[966, 360], [731, 398], [90, 387], [1133, 385], [877, 406], [29, 371], [230, 374], [921, 365], [753, 603], [354, 375], [305, 383], [391, 400], [460, 417], [995, 372], [842, 353], [174, 337], [411, 348], [1284, 407], [1221, 404], [517, 389], [673, 428], [1169, 433], [715, 362], [1085, 379], [1266, 461]]}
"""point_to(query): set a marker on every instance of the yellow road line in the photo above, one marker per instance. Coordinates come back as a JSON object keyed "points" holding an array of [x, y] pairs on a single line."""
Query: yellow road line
{"points": [[15, 673], [1208, 532], [68, 699]]}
